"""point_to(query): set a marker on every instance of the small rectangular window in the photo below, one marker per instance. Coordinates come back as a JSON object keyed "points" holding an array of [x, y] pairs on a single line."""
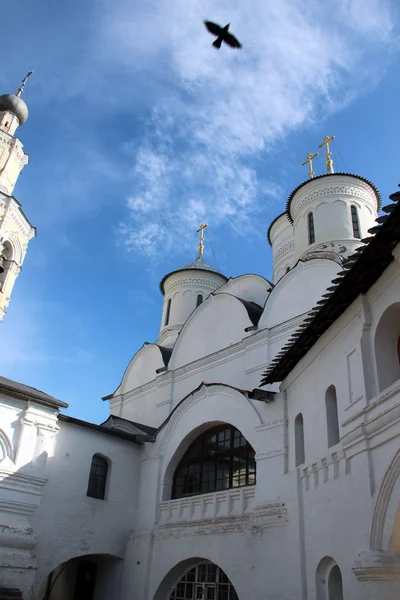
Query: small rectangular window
{"points": [[167, 312], [311, 229], [355, 223]]}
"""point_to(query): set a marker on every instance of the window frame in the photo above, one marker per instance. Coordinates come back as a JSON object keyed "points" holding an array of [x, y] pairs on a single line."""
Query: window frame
{"points": [[98, 483], [332, 416], [198, 465], [299, 445], [311, 228], [355, 221], [167, 312]]}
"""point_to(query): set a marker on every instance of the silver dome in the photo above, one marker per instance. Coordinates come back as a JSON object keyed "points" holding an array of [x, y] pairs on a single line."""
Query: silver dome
{"points": [[199, 263], [14, 105]]}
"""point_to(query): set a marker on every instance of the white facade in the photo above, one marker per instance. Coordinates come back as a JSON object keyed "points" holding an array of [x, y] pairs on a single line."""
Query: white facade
{"points": [[322, 520], [15, 229]]}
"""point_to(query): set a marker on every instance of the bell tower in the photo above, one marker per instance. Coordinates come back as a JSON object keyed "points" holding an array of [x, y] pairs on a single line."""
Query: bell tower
{"points": [[15, 229]]}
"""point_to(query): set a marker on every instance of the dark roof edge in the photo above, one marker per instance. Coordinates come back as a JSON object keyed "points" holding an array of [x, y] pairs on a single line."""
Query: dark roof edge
{"points": [[273, 223], [22, 395], [375, 189], [207, 385], [338, 297], [113, 432]]}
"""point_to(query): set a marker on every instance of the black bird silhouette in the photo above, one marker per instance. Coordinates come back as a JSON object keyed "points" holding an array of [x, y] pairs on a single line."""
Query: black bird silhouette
{"points": [[222, 35]]}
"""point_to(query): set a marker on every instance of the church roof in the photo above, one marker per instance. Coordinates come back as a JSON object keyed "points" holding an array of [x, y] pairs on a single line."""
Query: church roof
{"points": [[26, 392], [361, 270], [199, 264]]}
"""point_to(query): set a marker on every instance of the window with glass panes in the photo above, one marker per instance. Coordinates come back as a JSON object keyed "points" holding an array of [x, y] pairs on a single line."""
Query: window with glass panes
{"points": [[311, 229], [354, 222], [204, 582], [97, 477], [219, 459]]}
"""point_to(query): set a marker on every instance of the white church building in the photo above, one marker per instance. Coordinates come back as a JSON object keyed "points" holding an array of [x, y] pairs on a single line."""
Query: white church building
{"points": [[252, 450]]}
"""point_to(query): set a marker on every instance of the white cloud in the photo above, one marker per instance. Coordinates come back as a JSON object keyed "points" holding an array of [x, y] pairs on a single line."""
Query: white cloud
{"points": [[219, 109]]}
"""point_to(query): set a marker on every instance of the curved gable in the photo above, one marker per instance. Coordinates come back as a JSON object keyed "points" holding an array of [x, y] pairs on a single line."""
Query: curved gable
{"points": [[142, 368], [298, 291], [250, 287], [216, 324]]}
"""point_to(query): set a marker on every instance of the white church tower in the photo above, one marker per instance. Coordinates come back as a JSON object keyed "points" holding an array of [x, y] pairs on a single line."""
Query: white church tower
{"points": [[184, 290], [15, 229], [326, 217]]}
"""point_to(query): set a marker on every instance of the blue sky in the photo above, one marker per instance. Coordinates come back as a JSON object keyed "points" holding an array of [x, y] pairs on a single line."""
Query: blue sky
{"points": [[139, 130]]}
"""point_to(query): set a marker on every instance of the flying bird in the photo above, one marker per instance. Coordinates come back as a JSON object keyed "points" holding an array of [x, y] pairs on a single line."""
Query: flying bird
{"points": [[222, 35]]}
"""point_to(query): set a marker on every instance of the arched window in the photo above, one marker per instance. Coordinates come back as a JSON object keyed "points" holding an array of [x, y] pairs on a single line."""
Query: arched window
{"points": [[97, 477], [311, 229], [167, 312], [355, 223], [387, 347], [5, 262], [332, 420], [199, 300], [299, 439], [219, 459], [206, 581], [287, 269]]}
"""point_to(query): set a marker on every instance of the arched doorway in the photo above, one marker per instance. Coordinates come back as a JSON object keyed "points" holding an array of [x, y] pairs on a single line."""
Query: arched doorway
{"points": [[205, 581], [83, 578], [328, 580]]}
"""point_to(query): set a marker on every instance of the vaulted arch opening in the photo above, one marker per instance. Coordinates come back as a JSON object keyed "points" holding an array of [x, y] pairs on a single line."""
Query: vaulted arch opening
{"points": [[219, 458], [387, 344], [328, 580], [87, 577], [6, 259]]}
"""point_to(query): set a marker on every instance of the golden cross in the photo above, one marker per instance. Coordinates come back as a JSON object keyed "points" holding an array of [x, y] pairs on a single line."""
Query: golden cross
{"points": [[329, 163], [309, 161], [201, 231]]}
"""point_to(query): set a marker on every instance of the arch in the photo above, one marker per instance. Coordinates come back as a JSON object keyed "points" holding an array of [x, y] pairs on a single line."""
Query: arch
{"points": [[187, 421], [141, 369], [311, 228], [219, 322], [193, 578], [5, 447], [355, 221], [280, 306], [81, 577], [328, 580], [386, 511], [219, 458], [98, 477], [387, 334], [332, 419], [299, 440], [250, 287]]}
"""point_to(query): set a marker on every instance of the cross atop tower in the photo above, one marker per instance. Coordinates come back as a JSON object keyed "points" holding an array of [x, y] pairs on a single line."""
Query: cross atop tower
{"points": [[309, 161], [23, 84], [329, 163], [201, 231]]}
